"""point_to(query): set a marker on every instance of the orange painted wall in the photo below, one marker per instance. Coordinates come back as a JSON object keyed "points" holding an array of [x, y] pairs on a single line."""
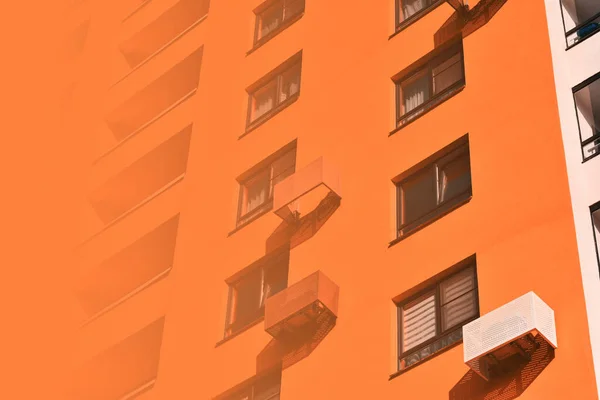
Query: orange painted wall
{"points": [[519, 222]]}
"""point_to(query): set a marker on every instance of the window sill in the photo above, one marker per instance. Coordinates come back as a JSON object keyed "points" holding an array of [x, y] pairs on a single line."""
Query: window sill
{"points": [[590, 157], [420, 112], [431, 221], [264, 118], [414, 18], [442, 351], [267, 207], [241, 330], [286, 24]]}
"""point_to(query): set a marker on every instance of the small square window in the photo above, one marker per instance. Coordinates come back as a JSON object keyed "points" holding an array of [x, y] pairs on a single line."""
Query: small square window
{"points": [[248, 292], [432, 320], [273, 16], [274, 92], [587, 103], [436, 188], [429, 84]]}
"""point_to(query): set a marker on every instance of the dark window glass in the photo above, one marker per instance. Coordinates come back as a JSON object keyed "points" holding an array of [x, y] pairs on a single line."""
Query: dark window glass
{"points": [[270, 19], [587, 101], [433, 319]]}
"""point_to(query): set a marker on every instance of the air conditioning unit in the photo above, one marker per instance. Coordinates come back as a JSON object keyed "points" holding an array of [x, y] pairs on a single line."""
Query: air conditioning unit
{"points": [[511, 331]]}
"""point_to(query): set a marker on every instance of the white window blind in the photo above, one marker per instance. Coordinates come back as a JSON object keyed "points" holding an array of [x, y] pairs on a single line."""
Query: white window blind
{"points": [[418, 322]]}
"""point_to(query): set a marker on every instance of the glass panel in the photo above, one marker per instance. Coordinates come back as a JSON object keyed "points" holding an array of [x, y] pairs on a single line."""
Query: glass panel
{"points": [[415, 92], [596, 219], [408, 8], [576, 12], [263, 101], [270, 19], [447, 73], [292, 8], [431, 349], [276, 277], [457, 285], [247, 294], [290, 83], [268, 388], [459, 310], [588, 111], [256, 191], [418, 322], [284, 166], [419, 196], [455, 177]]}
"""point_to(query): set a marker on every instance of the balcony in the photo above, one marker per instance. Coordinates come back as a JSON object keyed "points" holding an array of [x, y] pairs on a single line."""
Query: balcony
{"points": [[307, 304], [151, 174], [104, 286], [127, 369], [305, 190], [587, 100], [506, 337], [146, 38], [581, 19], [146, 106]]}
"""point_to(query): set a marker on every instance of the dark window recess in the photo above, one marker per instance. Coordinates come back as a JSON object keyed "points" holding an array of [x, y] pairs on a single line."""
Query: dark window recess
{"points": [[247, 294], [581, 19], [274, 94], [433, 190], [429, 85], [267, 387], [256, 191], [432, 320], [587, 102], [274, 16]]}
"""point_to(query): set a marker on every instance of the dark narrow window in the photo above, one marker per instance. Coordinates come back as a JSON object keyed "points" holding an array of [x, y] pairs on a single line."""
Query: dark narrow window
{"points": [[434, 189], [274, 92], [428, 85], [273, 16], [432, 320], [587, 103], [596, 227], [581, 19], [248, 292], [256, 191]]}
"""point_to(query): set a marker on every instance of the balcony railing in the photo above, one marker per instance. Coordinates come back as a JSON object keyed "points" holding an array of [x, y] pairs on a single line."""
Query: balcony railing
{"points": [[300, 305]]}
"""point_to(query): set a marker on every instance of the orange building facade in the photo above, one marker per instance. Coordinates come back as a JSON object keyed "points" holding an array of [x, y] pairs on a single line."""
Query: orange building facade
{"points": [[308, 200]]}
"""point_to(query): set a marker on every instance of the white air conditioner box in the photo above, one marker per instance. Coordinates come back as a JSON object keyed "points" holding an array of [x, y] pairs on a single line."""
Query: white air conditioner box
{"points": [[504, 328]]}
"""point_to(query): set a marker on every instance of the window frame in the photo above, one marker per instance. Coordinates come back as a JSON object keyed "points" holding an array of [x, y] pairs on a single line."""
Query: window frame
{"points": [[426, 66], [277, 76], [593, 138], [434, 287], [268, 164], [286, 21], [593, 210], [577, 27], [460, 148], [278, 259], [401, 25]]}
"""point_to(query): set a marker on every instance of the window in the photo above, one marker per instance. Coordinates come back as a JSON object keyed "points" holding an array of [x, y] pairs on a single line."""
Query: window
{"points": [[596, 226], [273, 16], [581, 19], [275, 92], [256, 191], [433, 190], [267, 387], [408, 11], [432, 320], [248, 292], [587, 103], [430, 84]]}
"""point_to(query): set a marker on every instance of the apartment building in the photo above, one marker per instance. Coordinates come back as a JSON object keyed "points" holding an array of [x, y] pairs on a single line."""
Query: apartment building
{"points": [[575, 48], [297, 199]]}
